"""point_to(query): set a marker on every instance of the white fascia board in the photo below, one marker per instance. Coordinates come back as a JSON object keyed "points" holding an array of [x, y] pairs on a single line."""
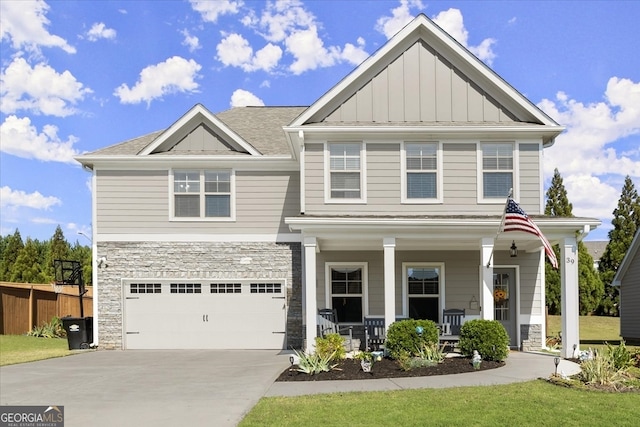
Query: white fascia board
{"points": [[202, 237], [169, 162], [207, 116]]}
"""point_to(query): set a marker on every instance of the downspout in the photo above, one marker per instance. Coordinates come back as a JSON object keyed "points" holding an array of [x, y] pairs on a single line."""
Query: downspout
{"points": [[302, 172]]}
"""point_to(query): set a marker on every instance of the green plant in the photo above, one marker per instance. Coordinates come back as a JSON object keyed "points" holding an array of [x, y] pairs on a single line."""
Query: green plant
{"points": [[331, 344], [620, 356], [314, 363], [53, 329], [431, 352], [600, 370], [489, 337], [365, 355], [409, 336]]}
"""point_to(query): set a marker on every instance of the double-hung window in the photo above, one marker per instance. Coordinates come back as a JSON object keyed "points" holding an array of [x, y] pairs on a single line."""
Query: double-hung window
{"points": [[202, 194], [497, 170], [421, 181], [423, 287], [347, 286], [345, 171]]}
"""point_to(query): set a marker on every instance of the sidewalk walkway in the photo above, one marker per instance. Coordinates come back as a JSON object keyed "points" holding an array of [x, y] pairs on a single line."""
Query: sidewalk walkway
{"points": [[519, 367]]}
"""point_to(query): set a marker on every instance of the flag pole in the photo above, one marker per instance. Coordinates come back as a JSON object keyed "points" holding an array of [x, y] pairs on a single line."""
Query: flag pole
{"points": [[504, 214]]}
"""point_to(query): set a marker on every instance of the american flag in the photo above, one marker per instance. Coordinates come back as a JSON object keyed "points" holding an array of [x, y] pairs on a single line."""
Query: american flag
{"points": [[515, 219]]}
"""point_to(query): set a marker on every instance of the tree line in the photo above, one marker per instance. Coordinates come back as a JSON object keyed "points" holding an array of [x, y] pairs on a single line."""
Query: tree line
{"points": [[31, 260], [597, 295]]}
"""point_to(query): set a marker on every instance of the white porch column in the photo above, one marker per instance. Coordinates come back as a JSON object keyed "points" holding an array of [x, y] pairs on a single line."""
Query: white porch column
{"points": [[486, 267], [569, 294], [310, 279], [389, 244]]}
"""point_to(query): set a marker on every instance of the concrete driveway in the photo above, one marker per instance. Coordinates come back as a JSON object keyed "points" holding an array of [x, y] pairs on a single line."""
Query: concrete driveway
{"points": [[146, 388]]}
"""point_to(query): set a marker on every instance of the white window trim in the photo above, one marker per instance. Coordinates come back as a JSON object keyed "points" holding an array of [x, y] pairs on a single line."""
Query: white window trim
{"points": [[480, 171], [232, 201], [405, 286], [403, 174], [327, 174], [365, 283]]}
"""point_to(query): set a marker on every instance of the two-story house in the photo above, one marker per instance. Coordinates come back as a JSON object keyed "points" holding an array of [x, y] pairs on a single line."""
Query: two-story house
{"points": [[383, 198]]}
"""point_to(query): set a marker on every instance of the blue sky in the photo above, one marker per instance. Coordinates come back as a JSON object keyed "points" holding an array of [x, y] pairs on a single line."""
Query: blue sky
{"points": [[77, 76]]}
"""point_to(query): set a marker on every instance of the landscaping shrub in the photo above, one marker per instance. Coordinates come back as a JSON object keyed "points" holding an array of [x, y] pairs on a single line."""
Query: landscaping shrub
{"points": [[314, 363], [332, 344], [600, 370], [410, 336], [489, 337], [620, 356], [53, 329]]}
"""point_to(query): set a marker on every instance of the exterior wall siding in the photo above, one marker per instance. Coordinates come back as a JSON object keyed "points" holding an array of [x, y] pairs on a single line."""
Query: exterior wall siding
{"points": [[137, 202], [384, 191], [195, 261], [630, 302]]}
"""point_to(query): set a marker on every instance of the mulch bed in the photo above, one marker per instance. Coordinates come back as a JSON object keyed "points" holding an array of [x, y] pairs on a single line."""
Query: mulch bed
{"points": [[350, 369]]}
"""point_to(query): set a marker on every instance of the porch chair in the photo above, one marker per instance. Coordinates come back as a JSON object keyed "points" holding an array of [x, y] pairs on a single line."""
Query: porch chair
{"points": [[451, 324], [328, 324], [375, 333]]}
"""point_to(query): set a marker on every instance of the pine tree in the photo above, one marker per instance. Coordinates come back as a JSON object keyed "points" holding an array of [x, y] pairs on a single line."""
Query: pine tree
{"points": [[26, 268], [10, 254], [590, 286], [626, 221], [59, 248]]}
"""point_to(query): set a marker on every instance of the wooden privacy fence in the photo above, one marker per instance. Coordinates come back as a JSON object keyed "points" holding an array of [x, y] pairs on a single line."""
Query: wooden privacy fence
{"points": [[25, 305]]}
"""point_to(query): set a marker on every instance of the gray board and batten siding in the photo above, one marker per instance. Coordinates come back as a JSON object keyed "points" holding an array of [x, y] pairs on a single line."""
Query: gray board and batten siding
{"points": [[630, 301], [138, 202], [383, 188]]}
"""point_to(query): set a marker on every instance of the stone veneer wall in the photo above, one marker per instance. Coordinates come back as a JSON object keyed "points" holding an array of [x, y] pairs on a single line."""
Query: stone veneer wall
{"points": [[531, 336], [192, 261]]}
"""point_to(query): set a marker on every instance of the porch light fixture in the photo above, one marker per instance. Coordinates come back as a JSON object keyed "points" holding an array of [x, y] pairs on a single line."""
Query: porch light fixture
{"points": [[513, 250]]}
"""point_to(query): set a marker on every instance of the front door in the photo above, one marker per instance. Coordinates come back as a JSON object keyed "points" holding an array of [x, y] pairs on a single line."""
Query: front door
{"points": [[504, 298]]}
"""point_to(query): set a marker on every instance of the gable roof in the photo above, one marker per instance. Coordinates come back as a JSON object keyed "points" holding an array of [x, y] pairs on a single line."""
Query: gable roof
{"points": [[627, 260], [244, 131], [408, 71]]}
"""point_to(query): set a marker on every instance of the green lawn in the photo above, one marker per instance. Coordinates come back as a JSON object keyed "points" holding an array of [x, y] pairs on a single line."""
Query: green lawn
{"points": [[594, 331], [21, 348], [534, 403]]}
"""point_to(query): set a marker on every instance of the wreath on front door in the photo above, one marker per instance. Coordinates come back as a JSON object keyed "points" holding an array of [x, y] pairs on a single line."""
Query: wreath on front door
{"points": [[500, 295]]}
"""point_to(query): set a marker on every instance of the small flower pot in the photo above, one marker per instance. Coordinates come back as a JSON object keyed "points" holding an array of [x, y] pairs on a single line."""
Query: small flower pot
{"points": [[366, 365]]}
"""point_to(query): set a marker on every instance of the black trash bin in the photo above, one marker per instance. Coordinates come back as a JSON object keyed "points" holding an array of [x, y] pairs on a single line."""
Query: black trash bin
{"points": [[79, 331]]}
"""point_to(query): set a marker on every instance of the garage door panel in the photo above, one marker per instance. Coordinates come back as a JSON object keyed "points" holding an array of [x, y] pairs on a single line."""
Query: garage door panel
{"points": [[250, 317]]}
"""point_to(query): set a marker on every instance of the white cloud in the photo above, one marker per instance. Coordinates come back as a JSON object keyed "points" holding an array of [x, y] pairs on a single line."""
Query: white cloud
{"points": [[20, 138], [212, 10], [400, 16], [192, 42], [39, 89], [590, 154], [10, 198], [174, 75], [281, 18], [234, 50], [592, 128], [243, 98], [100, 31], [452, 22], [25, 22]]}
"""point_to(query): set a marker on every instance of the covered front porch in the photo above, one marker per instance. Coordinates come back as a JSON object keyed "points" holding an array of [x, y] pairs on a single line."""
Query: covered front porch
{"points": [[417, 267]]}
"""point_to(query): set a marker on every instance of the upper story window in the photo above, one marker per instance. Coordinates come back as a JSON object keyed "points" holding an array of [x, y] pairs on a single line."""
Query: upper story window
{"points": [[497, 170], [421, 172], [202, 194], [345, 170]]}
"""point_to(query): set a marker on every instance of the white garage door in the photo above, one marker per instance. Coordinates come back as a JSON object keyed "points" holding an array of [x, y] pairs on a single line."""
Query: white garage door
{"points": [[204, 315]]}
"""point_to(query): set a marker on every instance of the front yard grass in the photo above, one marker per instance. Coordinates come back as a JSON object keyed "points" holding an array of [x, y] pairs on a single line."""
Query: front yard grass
{"points": [[534, 403], [21, 348], [594, 331]]}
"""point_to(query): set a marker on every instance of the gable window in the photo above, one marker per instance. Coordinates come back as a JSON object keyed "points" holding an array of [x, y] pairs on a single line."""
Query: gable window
{"points": [[497, 170], [202, 194], [420, 176], [345, 171], [346, 291], [423, 286]]}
